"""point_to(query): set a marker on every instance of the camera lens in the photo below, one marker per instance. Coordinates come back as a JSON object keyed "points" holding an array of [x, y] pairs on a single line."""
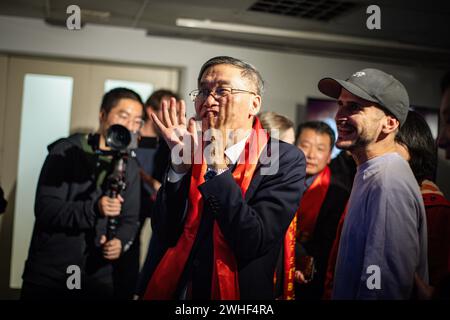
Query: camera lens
{"points": [[118, 137]]}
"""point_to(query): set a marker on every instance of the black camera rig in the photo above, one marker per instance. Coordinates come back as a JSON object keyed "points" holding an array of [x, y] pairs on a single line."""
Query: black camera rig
{"points": [[122, 144]]}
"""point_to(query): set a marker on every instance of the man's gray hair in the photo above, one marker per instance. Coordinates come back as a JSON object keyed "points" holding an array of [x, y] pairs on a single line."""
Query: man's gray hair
{"points": [[248, 71]]}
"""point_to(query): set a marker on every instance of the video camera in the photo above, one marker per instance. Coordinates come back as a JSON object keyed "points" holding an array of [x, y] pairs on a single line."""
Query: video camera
{"points": [[122, 143], [118, 138]]}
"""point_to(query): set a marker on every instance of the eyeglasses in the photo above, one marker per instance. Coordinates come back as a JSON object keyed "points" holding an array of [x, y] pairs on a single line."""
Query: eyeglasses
{"points": [[218, 93]]}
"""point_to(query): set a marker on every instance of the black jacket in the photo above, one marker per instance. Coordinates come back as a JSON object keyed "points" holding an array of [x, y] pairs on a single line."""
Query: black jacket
{"points": [[322, 238], [68, 225], [254, 227]]}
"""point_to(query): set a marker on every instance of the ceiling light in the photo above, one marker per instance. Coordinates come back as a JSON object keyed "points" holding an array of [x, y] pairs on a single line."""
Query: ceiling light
{"points": [[296, 34]]}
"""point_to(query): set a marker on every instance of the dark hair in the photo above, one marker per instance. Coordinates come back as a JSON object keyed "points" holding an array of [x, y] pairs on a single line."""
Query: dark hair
{"points": [[319, 127], [415, 135], [248, 71], [112, 98], [154, 101], [445, 82]]}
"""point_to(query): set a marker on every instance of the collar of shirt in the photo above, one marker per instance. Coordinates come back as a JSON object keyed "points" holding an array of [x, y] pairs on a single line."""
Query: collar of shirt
{"points": [[234, 152]]}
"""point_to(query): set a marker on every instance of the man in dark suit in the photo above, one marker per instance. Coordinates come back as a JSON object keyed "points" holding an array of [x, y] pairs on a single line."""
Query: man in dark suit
{"points": [[222, 217], [320, 209]]}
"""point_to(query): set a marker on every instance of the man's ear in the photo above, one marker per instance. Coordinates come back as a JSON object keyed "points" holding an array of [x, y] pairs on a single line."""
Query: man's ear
{"points": [[256, 105], [390, 124]]}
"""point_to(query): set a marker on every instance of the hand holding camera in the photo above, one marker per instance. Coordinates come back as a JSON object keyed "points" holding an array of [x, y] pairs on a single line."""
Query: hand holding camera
{"points": [[112, 248], [110, 207]]}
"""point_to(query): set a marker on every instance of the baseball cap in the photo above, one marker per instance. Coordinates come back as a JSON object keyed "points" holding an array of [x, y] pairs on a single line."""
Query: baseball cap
{"points": [[372, 85]]}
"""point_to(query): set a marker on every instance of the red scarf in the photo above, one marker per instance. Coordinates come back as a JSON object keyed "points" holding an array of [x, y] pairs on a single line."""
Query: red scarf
{"points": [[225, 282], [431, 194], [437, 209], [311, 203], [303, 224]]}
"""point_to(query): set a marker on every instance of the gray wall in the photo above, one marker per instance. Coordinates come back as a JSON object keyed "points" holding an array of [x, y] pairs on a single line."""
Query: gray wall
{"points": [[290, 78]]}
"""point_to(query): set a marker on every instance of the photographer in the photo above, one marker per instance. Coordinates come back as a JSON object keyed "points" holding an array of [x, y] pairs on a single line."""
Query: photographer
{"points": [[70, 255]]}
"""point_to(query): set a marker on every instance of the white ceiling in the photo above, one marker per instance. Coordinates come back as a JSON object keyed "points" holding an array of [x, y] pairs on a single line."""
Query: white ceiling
{"points": [[412, 31]]}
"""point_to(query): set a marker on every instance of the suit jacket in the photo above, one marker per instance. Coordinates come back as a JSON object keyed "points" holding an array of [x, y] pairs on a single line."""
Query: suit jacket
{"points": [[254, 226]]}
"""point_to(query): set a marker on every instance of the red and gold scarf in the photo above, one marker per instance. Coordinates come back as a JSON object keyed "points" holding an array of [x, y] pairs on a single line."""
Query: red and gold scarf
{"points": [[303, 224], [289, 261]]}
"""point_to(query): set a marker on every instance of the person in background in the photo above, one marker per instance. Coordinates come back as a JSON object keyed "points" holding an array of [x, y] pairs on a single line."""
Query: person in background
{"points": [[72, 209], [153, 156], [343, 167], [416, 145], [148, 151], [444, 128], [278, 123], [444, 136], [320, 209], [383, 243], [280, 127]]}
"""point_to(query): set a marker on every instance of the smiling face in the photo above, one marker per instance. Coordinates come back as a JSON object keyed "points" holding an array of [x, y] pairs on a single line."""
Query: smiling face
{"points": [[359, 122], [246, 105], [317, 149]]}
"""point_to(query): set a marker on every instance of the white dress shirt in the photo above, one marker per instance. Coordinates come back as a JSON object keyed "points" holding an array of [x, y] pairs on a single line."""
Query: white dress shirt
{"points": [[233, 153]]}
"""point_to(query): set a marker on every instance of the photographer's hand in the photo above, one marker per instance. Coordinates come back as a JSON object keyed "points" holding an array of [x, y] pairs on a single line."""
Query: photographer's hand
{"points": [[176, 133], [110, 207], [112, 248]]}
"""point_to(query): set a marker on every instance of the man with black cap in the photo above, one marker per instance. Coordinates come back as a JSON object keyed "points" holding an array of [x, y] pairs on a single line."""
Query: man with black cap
{"points": [[383, 241]]}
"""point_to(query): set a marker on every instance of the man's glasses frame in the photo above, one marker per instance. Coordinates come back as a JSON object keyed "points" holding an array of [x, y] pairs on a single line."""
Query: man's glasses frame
{"points": [[217, 93]]}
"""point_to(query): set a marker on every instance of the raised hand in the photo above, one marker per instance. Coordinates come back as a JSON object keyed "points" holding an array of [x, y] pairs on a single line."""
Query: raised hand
{"points": [[217, 135], [180, 137]]}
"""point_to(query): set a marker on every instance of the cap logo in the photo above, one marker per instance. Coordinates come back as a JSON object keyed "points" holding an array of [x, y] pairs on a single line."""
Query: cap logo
{"points": [[359, 74]]}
